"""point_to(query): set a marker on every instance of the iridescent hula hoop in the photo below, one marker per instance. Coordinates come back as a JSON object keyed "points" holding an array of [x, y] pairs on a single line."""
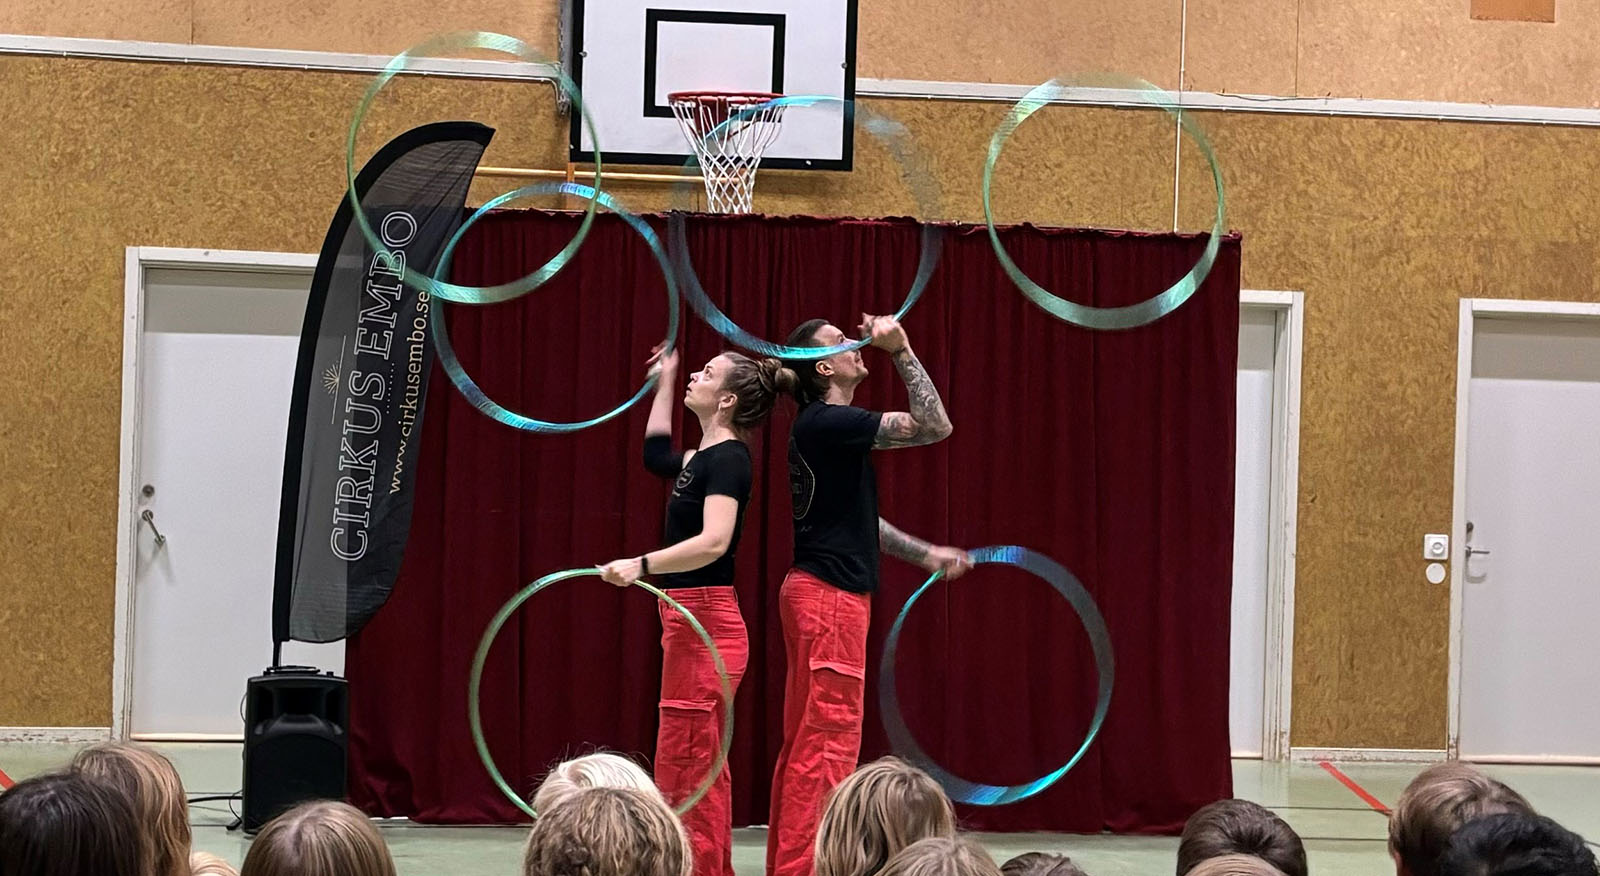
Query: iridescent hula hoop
{"points": [[464, 382], [1132, 315], [893, 135], [905, 744], [500, 618]]}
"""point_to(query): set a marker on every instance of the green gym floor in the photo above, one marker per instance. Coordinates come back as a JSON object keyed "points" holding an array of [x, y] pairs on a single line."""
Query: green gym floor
{"points": [[1342, 831]]}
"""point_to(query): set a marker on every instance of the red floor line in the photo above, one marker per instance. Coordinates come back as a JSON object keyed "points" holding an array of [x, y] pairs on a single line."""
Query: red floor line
{"points": [[5, 781], [1374, 802]]}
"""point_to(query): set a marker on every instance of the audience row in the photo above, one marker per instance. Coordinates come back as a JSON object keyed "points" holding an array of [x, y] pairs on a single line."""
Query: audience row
{"points": [[120, 810]]}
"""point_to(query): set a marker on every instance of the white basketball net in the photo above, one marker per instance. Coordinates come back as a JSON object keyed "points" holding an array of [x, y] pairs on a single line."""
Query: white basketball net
{"points": [[729, 154]]}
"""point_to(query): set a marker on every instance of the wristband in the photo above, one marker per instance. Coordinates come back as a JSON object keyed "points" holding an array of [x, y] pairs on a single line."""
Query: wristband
{"points": [[644, 564]]}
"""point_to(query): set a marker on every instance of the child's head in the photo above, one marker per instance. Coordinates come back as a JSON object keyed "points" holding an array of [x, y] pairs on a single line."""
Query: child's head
{"points": [[1041, 864], [608, 832], [1229, 827], [941, 856], [599, 770], [1235, 865], [152, 785], [207, 864], [323, 838], [1435, 805], [1517, 843], [874, 813], [68, 824]]}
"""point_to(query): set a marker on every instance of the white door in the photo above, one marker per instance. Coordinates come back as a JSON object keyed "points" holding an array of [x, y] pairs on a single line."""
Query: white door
{"points": [[1530, 658], [1252, 502], [216, 362]]}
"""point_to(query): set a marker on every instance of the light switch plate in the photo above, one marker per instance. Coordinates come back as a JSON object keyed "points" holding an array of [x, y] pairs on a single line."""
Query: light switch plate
{"points": [[1436, 547]]}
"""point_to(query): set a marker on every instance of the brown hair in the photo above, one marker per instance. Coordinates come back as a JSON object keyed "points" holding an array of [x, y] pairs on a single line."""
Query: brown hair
{"points": [[757, 383], [608, 832], [941, 856], [1229, 827], [809, 385], [152, 785], [1235, 865], [68, 824], [1041, 864], [875, 812], [322, 838], [1439, 801]]}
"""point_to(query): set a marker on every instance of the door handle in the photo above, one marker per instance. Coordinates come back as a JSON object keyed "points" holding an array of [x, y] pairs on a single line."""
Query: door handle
{"points": [[1472, 552], [149, 517]]}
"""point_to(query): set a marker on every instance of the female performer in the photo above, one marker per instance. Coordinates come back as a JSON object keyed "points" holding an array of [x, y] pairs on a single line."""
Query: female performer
{"points": [[731, 395]]}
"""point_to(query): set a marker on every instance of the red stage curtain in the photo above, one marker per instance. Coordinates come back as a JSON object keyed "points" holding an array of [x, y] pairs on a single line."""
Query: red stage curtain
{"points": [[1110, 451]]}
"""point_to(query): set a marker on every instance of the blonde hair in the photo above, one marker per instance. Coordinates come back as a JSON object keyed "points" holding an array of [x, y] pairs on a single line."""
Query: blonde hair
{"points": [[608, 832], [1436, 804], [322, 838], [207, 864], [1234, 865], [941, 856], [602, 769], [153, 787], [875, 812]]}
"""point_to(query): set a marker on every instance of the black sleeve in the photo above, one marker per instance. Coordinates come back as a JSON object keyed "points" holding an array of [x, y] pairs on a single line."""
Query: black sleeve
{"points": [[730, 476], [659, 457], [845, 426]]}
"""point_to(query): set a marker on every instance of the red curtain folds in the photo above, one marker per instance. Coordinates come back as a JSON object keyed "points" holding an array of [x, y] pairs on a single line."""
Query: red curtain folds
{"points": [[1110, 451]]}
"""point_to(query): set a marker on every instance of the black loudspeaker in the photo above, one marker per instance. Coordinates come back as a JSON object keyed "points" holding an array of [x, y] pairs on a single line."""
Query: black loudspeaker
{"points": [[294, 741]]}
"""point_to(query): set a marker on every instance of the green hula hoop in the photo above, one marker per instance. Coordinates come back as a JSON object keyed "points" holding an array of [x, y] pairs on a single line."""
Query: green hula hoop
{"points": [[1087, 316], [446, 44], [493, 631]]}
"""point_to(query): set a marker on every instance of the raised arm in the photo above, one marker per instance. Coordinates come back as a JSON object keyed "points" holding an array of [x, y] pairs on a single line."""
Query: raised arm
{"points": [[660, 422], [659, 456], [927, 421]]}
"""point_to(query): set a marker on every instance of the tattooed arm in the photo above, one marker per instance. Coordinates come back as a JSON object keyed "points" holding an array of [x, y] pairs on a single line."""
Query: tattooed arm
{"points": [[927, 421], [898, 544], [953, 561]]}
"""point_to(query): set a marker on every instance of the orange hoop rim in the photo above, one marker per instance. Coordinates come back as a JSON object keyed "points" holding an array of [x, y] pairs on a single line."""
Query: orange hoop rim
{"points": [[729, 96]]}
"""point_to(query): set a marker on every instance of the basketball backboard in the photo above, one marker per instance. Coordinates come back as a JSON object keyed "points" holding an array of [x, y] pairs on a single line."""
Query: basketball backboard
{"points": [[626, 56]]}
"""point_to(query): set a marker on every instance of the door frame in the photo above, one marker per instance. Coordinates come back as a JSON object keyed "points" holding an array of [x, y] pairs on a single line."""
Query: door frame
{"points": [[137, 262], [1289, 308], [1472, 310]]}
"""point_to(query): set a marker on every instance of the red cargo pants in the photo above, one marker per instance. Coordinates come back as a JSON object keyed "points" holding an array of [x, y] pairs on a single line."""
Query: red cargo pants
{"points": [[825, 634], [691, 726]]}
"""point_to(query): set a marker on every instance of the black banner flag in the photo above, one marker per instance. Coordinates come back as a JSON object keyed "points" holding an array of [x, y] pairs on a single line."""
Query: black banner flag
{"points": [[360, 383]]}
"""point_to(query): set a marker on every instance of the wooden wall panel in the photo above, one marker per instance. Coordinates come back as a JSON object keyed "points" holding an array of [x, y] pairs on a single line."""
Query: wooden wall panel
{"points": [[1020, 40], [1428, 50], [363, 26], [164, 21]]}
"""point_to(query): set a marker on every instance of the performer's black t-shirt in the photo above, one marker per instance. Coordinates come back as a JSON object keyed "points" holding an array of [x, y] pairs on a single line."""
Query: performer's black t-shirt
{"points": [[835, 493], [722, 469]]}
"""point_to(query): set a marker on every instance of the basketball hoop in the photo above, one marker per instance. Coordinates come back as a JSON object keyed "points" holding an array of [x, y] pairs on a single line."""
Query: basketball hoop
{"points": [[729, 153]]}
